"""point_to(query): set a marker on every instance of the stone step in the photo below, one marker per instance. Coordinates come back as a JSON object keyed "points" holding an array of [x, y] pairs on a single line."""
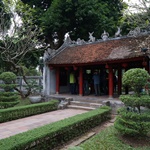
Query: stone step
{"points": [[86, 104], [89, 101], [80, 107]]}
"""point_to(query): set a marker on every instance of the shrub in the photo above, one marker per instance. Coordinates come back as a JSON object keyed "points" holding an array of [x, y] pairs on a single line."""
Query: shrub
{"points": [[57, 133], [8, 77], [8, 98], [28, 110], [136, 79], [134, 119]]}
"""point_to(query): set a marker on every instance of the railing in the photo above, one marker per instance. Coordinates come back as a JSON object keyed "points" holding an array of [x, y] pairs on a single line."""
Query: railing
{"points": [[37, 81]]}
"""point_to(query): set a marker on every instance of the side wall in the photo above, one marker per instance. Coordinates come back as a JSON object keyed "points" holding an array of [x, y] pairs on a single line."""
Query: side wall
{"points": [[49, 81]]}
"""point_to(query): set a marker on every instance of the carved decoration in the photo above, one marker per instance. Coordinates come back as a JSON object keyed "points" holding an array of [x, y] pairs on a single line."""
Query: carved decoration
{"points": [[91, 38], [105, 35], [135, 32], [118, 33]]}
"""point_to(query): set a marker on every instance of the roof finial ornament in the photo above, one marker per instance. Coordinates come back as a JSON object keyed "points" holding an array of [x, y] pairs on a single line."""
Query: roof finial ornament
{"points": [[118, 33], [105, 35], [91, 38], [55, 37], [67, 39], [135, 32]]}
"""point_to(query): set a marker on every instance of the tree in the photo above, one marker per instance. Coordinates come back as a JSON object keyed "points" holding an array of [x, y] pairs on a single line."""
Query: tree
{"points": [[134, 119], [80, 17], [17, 43], [138, 14]]}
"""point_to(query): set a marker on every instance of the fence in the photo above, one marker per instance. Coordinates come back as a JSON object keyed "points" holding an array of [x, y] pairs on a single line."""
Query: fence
{"points": [[35, 81]]}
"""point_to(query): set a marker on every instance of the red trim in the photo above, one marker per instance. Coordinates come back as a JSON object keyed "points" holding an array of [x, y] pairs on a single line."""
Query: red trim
{"points": [[102, 62], [110, 76], [81, 81], [119, 80], [124, 65], [75, 68]]}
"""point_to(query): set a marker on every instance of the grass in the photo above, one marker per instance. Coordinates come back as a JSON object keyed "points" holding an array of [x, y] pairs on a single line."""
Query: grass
{"points": [[23, 102], [107, 139]]}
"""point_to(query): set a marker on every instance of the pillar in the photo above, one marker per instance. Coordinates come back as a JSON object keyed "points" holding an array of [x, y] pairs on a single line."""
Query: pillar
{"points": [[110, 76], [57, 81], [119, 81], [81, 81]]}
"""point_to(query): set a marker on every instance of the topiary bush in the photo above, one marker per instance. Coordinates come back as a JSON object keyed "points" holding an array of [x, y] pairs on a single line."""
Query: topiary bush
{"points": [[136, 79], [134, 119], [8, 98], [8, 77]]}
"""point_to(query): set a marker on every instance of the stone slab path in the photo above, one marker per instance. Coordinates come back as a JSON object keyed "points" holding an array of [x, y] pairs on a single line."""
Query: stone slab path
{"points": [[11, 128]]}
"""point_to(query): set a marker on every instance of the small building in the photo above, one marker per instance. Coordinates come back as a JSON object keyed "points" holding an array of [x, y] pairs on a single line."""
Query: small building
{"points": [[111, 57]]}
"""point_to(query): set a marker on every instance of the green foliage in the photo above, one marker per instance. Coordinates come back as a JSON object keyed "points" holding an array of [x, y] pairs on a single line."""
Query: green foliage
{"points": [[8, 87], [136, 79], [55, 134], [134, 101], [8, 98], [135, 119], [35, 88], [28, 110], [8, 77], [133, 124], [24, 102], [31, 71], [77, 16]]}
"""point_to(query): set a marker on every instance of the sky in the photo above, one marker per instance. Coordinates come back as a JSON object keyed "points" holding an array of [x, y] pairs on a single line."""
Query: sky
{"points": [[138, 4]]}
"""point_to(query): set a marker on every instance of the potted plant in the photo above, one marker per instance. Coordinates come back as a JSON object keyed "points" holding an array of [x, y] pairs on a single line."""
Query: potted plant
{"points": [[35, 96]]}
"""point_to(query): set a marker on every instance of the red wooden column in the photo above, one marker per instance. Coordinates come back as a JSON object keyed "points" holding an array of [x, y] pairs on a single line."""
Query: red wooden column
{"points": [[119, 81], [111, 87], [80, 81], [57, 80]]}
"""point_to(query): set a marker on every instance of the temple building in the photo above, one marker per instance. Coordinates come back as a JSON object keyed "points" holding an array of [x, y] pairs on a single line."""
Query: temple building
{"points": [[110, 57]]}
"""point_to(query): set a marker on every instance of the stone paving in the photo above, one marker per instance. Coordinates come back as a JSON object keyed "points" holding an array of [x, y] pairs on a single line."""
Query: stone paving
{"points": [[21, 125]]}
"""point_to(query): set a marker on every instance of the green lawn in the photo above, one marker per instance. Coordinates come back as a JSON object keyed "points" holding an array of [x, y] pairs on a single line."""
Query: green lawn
{"points": [[23, 102], [106, 140]]}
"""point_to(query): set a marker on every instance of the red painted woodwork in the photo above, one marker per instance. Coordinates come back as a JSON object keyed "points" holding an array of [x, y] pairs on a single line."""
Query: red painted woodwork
{"points": [[57, 81], [119, 80], [124, 65], [106, 66], [110, 76], [81, 81], [75, 68]]}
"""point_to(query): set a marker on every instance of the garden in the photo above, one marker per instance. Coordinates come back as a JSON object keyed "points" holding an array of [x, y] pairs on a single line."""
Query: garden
{"points": [[131, 129], [30, 28]]}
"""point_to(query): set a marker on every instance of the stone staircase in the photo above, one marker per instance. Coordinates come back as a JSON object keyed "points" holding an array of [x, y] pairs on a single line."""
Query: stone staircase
{"points": [[86, 104]]}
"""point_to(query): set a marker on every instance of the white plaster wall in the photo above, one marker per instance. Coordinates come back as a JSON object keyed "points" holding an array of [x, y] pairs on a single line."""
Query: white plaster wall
{"points": [[52, 82], [49, 81]]}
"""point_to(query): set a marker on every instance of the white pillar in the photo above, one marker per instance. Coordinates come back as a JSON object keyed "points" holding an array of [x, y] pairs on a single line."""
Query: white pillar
{"points": [[49, 81]]}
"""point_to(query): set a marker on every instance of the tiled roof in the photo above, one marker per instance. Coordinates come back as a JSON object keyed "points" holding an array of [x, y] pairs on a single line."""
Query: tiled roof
{"points": [[99, 52]]}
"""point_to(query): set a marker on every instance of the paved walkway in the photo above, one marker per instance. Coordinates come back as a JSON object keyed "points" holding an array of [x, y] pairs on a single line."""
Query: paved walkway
{"points": [[21, 125]]}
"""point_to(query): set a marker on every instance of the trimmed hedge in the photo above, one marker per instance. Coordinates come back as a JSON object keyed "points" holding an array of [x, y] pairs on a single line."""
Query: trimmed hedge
{"points": [[28, 110], [52, 135]]}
